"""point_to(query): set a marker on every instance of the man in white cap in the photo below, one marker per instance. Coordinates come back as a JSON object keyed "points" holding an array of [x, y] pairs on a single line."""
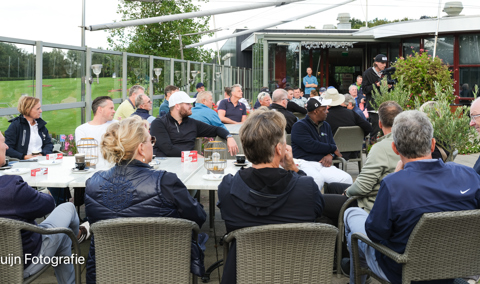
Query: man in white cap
{"points": [[339, 115], [312, 141], [176, 132]]}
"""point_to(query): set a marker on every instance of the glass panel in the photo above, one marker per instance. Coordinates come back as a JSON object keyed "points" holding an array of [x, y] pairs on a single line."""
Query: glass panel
{"points": [[137, 72], [394, 52], [180, 78], [160, 75], [61, 76], [410, 45], [218, 77], [17, 66], [109, 81], [62, 121], [469, 77], [207, 76], [469, 49], [194, 80], [257, 66], [444, 48], [248, 84]]}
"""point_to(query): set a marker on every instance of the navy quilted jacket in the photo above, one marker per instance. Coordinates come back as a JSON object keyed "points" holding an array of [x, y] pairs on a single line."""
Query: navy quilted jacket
{"points": [[136, 190]]}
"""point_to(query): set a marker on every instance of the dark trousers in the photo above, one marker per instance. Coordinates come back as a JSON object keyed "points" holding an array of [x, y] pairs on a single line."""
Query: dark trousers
{"points": [[376, 128]]}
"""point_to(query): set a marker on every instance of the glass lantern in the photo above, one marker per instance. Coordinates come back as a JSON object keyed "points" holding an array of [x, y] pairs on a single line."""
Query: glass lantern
{"points": [[89, 147], [215, 157]]}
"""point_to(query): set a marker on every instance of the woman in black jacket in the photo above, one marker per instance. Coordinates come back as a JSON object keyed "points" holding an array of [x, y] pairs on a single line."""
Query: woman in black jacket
{"points": [[27, 135]]}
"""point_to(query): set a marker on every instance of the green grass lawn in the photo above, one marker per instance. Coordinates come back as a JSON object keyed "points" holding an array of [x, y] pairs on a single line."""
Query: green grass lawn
{"points": [[56, 91]]}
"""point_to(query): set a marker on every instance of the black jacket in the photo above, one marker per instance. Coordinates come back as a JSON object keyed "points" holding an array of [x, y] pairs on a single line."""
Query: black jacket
{"points": [[339, 116], [136, 190], [368, 83], [293, 107], [290, 117], [173, 138], [17, 137], [255, 197]]}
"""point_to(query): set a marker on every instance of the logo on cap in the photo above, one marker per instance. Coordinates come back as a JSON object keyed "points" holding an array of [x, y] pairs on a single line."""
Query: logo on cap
{"points": [[384, 58]]}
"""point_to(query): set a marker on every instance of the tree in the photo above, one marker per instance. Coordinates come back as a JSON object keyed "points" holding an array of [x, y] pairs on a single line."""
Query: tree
{"points": [[357, 23], [160, 39]]}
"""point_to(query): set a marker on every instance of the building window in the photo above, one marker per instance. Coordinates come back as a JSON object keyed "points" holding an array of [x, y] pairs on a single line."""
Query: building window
{"points": [[410, 45], [444, 48], [283, 64], [469, 77], [469, 49]]}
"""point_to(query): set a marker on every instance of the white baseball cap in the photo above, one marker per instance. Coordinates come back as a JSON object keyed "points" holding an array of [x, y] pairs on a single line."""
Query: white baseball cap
{"points": [[180, 97]]}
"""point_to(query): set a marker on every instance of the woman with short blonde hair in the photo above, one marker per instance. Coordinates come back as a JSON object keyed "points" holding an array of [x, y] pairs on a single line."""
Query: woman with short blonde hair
{"points": [[132, 188], [27, 136]]}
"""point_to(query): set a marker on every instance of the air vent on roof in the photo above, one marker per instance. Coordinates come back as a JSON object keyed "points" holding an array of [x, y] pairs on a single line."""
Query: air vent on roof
{"points": [[344, 21], [453, 8]]}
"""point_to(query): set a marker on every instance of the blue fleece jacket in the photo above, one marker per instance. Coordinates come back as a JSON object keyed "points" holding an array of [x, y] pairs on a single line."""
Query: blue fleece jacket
{"points": [[312, 142], [19, 201], [424, 186]]}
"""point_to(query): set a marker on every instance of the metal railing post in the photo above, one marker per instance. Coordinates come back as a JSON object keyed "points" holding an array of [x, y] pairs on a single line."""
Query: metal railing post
{"points": [[88, 86], [124, 76], [150, 76], [38, 70]]}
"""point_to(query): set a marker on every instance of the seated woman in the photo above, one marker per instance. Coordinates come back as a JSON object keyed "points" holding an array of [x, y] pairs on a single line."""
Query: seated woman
{"points": [[20, 202], [147, 192], [27, 135], [265, 193]]}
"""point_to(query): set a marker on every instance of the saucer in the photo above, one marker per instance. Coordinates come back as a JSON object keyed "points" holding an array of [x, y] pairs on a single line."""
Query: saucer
{"points": [[240, 164]]}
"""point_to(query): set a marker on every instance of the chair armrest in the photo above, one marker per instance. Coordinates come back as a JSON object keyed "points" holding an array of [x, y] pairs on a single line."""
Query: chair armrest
{"points": [[395, 256], [227, 239]]}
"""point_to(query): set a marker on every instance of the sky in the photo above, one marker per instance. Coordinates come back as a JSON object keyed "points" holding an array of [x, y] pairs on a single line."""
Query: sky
{"points": [[58, 21]]}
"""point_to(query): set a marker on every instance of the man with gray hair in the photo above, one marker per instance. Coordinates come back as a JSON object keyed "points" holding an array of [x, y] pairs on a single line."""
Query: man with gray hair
{"points": [[127, 107], [203, 110], [280, 101], [420, 185], [351, 104], [264, 99], [144, 105]]}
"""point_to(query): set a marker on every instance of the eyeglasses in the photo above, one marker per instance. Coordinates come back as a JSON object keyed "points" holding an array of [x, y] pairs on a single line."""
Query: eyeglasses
{"points": [[473, 117], [153, 140]]}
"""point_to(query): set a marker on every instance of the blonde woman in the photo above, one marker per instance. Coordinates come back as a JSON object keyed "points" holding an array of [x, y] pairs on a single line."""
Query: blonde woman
{"points": [[132, 188], [27, 135]]}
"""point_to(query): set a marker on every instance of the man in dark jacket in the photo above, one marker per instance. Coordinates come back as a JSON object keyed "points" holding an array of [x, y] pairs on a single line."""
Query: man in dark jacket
{"points": [[176, 132], [339, 116], [279, 103], [371, 80], [19, 201], [312, 141], [265, 193], [18, 137], [419, 185], [143, 105]]}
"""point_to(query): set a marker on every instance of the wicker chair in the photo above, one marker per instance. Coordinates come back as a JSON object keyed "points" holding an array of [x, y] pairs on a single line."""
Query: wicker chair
{"points": [[442, 245], [285, 253], [143, 250], [11, 243], [349, 139]]}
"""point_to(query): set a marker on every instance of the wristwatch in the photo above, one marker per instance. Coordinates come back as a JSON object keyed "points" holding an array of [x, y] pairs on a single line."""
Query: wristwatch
{"points": [[229, 136], [333, 155]]}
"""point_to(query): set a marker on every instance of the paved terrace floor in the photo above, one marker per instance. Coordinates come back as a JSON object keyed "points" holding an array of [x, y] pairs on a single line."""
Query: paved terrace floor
{"points": [[214, 251]]}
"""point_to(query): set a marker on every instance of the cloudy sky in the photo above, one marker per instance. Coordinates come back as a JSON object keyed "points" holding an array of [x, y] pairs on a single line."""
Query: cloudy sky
{"points": [[58, 21]]}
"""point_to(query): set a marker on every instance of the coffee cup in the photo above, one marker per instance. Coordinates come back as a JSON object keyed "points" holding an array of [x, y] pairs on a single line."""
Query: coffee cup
{"points": [[80, 161], [6, 162], [240, 158]]}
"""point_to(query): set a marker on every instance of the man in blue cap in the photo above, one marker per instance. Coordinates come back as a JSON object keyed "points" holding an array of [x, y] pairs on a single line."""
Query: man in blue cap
{"points": [[200, 88]]}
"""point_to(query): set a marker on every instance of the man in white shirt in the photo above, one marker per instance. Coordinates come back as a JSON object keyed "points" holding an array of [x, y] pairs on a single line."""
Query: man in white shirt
{"points": [[103, 112]]}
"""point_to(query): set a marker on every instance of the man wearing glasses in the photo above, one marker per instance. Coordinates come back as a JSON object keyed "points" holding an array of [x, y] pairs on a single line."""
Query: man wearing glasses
{"points": [[279, 103], [144, 106], [475, 122]]}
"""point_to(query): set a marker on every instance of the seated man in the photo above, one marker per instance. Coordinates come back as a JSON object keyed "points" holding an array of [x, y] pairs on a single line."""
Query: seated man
{"points": [[265, 193], [18, 201], [312, 141], [144, 105], [169, 90], [232, 111], [127, 107], [103, 112], [424, 185], [280, 104], [291, 106], [351, 104], [298, 98], [203, 110], [381, 161], [176, 132], [339, 115], [264, 99]]}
